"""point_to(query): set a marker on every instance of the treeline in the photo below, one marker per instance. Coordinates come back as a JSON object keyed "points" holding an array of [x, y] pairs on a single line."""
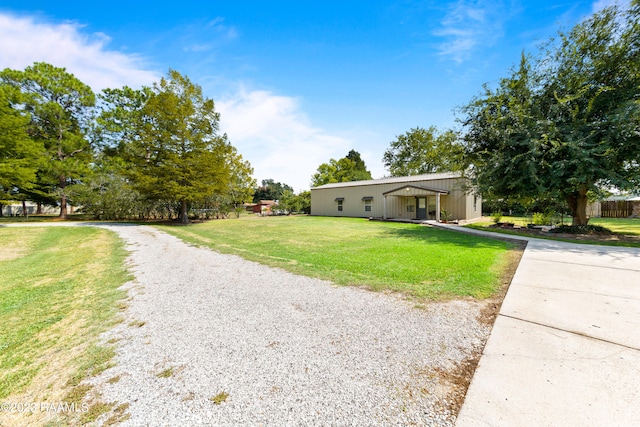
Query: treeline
{"points": [[155, 152]]}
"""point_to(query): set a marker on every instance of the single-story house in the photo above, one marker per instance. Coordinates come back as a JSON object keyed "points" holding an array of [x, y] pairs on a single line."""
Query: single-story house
{"points": [[419, 197]]}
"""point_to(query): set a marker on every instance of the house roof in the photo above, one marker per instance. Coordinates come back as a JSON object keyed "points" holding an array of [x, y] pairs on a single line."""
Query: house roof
{"points": [[392, 180]]}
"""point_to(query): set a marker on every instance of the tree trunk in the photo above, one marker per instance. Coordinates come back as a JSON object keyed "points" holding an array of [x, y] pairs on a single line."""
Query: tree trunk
{"points": [[39, 208], [63, 197], [25, 213], [578, 205], [184, 218]]}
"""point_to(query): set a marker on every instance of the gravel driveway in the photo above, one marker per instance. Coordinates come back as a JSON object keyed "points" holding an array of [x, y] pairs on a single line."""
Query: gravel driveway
{"points": [[283, 349]]}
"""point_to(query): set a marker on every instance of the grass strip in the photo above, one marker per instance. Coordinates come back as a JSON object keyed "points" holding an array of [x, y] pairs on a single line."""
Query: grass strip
{"points": [[58, 292]]}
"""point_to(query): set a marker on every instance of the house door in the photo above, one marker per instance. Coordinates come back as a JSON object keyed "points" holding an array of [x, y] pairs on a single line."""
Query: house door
{"points": [[431, 207], [421, 207]]}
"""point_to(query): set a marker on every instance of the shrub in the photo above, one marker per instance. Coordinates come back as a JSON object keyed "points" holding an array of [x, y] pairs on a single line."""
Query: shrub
{"points": [[540, 218], [496, 217], [445, 216]]}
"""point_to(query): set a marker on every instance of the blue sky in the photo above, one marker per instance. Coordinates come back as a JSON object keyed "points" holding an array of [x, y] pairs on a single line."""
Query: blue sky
{"points": [[296, 82]]}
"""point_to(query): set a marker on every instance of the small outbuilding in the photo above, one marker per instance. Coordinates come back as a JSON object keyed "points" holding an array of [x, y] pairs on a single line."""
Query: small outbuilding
{"points": [[419, 197]]}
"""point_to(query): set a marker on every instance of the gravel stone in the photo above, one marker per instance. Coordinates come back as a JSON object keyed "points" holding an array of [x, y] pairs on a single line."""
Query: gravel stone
{"points": [[288, 350]]}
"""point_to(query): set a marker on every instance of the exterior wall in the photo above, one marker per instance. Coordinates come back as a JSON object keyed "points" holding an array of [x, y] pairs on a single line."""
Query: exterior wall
{"points": [[473, 207], [459, 204]]}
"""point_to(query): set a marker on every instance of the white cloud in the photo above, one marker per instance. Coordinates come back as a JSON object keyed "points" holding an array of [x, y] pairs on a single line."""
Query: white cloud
{"points": [[269, 130], [467, 26], [215, 32], [274, 134], [25, 41], [598, 5]]}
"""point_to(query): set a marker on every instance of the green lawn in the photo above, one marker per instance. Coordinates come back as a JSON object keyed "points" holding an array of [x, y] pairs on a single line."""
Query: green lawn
{"points": [[45, 218], [421, 261], [622, 226], [628, 226], [58, 292]]}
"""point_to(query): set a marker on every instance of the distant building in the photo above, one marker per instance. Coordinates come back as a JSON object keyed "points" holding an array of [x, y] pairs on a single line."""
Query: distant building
{"points": [[420, 197], [16, 209], [263, 207]]}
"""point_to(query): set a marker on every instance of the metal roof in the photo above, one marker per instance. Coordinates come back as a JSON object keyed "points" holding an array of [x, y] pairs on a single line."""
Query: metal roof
{"points": [[393, 180]]}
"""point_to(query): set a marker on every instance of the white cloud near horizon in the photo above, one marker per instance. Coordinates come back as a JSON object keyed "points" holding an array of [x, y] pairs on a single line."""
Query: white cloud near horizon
{"points": [[274, 134], [26, 40]]}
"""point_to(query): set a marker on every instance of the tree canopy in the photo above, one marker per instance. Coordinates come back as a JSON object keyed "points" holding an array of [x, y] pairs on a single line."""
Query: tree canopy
{"points": [[421, 151], [349, 168], [566, 122], [60, 110], [19, 154], [271, 190], [168, 136], [150, 150]]}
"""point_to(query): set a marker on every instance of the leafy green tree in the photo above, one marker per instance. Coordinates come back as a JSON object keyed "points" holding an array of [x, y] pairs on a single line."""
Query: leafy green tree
{"points": [[122, 120], [107, 193], [304, 198], [168, 134], [567, 123], [19, 154], [60, 108], [295, 203], [349, 168], [270, 190], [241, 183], [421, 151]]}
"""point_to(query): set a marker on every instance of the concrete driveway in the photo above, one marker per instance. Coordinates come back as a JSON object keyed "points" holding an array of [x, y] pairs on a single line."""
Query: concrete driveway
{"points": [[565, 348]]}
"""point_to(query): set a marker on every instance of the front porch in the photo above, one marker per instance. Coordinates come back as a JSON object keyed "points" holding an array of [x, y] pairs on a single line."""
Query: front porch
{"points": [[413, 203]]}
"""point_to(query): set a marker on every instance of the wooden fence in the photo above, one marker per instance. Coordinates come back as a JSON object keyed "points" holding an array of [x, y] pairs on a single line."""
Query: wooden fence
{"points": [[616, 209]]}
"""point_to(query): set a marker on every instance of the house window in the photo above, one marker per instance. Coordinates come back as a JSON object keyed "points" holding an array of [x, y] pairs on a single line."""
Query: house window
{"points": [[367, 203], [410, 208], [475, 203], [340, 200]]}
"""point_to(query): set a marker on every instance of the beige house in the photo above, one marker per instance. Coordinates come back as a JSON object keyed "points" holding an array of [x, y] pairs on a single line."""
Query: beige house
{"points": [[419, 197]]}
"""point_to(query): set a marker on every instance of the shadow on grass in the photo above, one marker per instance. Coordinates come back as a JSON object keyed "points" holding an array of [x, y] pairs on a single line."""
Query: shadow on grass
{"points": [[438, 236]]}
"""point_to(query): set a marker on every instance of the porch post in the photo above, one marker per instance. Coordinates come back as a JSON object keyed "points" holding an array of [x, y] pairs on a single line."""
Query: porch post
{"points": [[437, 207], [384, 214]]}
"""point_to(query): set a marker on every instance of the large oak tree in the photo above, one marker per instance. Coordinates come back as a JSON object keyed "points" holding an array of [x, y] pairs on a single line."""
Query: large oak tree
{"points": [[564, 123]]}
